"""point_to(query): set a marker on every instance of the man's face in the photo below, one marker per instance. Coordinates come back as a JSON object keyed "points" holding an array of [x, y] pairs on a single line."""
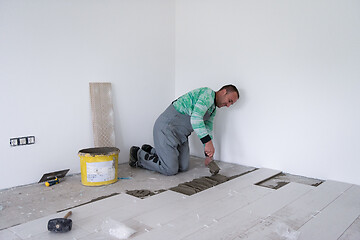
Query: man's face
{"points": [[226, 99]]}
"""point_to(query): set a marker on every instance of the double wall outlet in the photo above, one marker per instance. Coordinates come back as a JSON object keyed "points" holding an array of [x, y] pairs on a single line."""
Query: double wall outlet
{"points": [[22, 141]]}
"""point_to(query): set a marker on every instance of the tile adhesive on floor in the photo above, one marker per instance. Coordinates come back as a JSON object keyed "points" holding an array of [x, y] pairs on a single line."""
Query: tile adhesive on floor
{"points": [[194, 186]]}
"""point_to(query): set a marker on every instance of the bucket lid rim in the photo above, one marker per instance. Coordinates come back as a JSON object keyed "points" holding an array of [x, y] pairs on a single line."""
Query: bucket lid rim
{"points": [[99, 151]]}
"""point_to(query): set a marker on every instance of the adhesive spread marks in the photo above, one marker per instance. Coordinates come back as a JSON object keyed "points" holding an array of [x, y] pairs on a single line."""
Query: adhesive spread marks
{"points": [[140, 193], [190, 188], [200, 184], [143, 193]]}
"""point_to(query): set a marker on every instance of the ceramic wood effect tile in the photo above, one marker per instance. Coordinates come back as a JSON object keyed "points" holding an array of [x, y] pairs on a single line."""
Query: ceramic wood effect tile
{"points": [[335, 219], [235, 224], [353, 232], [161, 216], [101, 206], [35, 227], [206, 214], [8, 235], [310, 204], [284, 224], [124, 212], [237, 209], [75, 233]]}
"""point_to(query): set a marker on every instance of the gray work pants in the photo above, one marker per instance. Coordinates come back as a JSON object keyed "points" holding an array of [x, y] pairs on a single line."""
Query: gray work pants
{"points": [[170, 154]]}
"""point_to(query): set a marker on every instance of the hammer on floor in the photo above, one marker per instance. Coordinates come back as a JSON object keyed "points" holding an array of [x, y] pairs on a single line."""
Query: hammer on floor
{"points": [[60, 224]]}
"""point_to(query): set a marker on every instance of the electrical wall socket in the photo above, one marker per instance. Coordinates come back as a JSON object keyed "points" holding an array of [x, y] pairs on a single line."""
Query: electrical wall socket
{"points": [[30, 140], [14, 142], [22, 141]]}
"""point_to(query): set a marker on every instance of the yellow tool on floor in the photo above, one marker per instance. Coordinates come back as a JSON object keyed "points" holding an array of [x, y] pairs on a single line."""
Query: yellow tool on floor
{"points": [[52, 182], [52, 178]]}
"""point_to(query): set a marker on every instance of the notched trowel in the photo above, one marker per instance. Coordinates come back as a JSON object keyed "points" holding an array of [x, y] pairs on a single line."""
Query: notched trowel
{"points": [[213, 167], [53, 177]]}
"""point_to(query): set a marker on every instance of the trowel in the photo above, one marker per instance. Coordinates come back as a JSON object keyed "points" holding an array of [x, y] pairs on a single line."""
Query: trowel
{"points": [[211, 164]]}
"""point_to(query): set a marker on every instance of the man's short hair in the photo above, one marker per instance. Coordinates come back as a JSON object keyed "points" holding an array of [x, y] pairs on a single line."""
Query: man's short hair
{"points": [[230, 88]]}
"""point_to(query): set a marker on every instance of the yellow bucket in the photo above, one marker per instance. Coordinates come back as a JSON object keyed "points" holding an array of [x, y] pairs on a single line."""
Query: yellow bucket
{"points": [[99, 166]]}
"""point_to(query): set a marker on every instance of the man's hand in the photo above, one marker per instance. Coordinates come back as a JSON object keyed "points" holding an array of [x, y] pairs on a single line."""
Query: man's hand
{"points": [[207, 160], [209, 149]]}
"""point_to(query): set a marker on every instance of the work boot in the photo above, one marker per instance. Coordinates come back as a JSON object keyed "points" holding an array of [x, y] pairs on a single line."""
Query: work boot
{"points": [[147, 148], [133, 159]]}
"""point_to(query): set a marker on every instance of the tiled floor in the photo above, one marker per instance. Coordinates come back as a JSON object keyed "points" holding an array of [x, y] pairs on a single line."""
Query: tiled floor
{"points": [[25, 203], [237, 209]]}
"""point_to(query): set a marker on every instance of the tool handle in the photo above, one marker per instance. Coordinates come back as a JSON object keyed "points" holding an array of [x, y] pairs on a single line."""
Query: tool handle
{"points": [[52, 182], [68, 215]]}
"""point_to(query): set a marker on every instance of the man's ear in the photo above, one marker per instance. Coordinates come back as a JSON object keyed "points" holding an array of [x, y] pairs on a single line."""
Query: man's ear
{"points": [[224, 91]]}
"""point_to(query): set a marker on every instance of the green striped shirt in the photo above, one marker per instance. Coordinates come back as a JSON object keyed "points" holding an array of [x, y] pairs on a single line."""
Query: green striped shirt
{"points": [[195, 104]]}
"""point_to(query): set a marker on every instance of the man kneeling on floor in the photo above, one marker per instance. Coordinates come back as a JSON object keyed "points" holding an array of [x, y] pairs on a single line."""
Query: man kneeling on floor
{"points": [[194, 111]]}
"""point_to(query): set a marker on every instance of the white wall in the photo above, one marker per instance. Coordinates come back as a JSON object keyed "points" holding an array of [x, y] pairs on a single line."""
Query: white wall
{"points": [[51, 50], [296, 64]]}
